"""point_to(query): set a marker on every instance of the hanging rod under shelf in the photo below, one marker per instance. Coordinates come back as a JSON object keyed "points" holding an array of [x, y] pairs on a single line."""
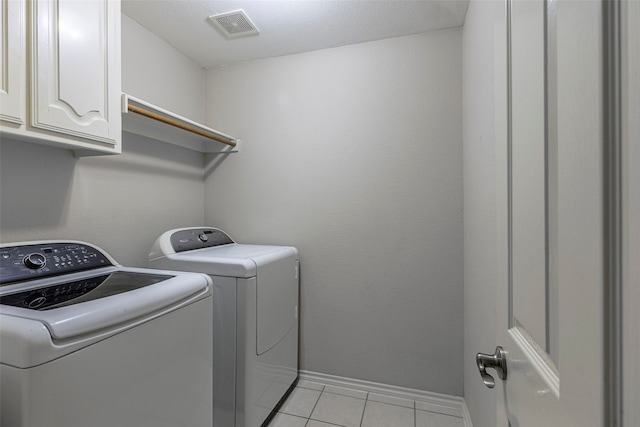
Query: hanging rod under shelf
{"points": [[156, 113]]}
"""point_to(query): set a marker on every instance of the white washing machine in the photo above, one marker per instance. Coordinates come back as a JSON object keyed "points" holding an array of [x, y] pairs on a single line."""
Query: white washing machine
{"points": [[255, 318], [85, 342]]}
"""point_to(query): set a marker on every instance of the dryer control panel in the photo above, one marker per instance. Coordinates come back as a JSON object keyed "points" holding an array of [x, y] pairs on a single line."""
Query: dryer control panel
{"points": [[28, 262], [198, 238]]}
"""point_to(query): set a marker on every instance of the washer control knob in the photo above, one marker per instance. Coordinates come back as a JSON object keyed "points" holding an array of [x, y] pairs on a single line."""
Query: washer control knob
{"points": [[203, 237], [35, 261]]}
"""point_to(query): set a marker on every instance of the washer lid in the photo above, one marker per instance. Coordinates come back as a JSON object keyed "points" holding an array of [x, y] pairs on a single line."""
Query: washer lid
{"points": [[79, 291], [110, 297]]}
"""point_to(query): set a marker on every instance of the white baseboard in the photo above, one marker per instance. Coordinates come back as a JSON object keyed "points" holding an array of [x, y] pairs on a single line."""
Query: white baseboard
{"points": [[434, 402]]}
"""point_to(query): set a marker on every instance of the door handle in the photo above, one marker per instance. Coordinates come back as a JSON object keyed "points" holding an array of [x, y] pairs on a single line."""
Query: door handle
{"points": [[497, 361]]}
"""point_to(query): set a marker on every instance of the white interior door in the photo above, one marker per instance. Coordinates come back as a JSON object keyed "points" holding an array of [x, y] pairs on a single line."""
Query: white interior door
{"points": [[551, 216]]}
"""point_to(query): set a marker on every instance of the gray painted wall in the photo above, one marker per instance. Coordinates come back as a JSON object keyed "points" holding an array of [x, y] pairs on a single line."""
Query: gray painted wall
{"points": [[156, 72], [354, 155], [480, 243], [121, 203]]}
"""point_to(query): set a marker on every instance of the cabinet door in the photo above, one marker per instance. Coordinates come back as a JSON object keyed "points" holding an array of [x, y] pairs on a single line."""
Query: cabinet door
{"points": [[12, 55], [76, 68]]}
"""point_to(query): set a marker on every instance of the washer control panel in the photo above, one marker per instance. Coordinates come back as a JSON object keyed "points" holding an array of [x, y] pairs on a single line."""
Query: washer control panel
{"points": [[198, 238], [27, 262]]}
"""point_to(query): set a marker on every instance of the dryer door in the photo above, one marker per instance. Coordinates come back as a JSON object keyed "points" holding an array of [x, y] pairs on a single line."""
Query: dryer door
{"points": [[276, 298]]}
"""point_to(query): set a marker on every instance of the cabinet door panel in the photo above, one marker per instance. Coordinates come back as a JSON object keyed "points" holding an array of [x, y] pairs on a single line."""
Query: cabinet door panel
{"points": [[12, 55], [75, 69], [81, 28]]}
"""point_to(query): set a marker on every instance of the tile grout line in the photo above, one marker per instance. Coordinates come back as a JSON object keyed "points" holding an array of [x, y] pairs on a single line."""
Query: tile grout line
{"points": [[366, 399], [413, 401], [322, 389], [348, 395], [326, 422], [314, 406]]}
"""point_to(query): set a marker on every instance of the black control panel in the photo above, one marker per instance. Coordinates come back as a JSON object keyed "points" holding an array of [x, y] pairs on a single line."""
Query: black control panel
{"points": [[198, 238], [28, 262]]}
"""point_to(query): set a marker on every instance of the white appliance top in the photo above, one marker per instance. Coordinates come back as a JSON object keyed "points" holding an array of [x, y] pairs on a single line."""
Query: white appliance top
{"points": [[211, 251], [73, 291]]}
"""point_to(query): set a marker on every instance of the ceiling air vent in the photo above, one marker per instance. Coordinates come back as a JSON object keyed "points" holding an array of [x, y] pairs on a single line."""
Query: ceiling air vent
{"points": [[234, 24]]}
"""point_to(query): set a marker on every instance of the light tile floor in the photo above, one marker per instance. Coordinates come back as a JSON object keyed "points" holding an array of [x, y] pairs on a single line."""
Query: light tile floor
{"points": [[313, 404]]}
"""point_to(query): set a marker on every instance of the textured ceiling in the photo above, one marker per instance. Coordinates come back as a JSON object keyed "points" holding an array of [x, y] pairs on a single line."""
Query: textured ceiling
{"points": [[290, 26]]}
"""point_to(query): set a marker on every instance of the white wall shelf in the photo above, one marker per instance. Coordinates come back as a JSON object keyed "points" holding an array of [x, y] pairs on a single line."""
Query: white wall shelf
{"points": [[143, 118]]}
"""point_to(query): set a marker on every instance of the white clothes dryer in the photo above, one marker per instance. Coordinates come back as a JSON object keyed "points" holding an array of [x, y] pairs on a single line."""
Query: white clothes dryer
{"points": [[255, 318], [87, 342]]}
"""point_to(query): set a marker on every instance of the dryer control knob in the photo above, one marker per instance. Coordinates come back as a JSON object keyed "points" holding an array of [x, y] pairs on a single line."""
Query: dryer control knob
{"points": [[35, 261], [203, 237]]}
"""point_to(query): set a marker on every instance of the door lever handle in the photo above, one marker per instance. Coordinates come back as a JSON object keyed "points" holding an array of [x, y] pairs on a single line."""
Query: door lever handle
{"points": [[497, 361]]}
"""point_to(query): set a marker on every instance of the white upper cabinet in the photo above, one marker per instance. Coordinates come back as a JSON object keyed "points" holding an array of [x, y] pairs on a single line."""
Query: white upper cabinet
{"points": [[12, 54], [74, 74]]}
